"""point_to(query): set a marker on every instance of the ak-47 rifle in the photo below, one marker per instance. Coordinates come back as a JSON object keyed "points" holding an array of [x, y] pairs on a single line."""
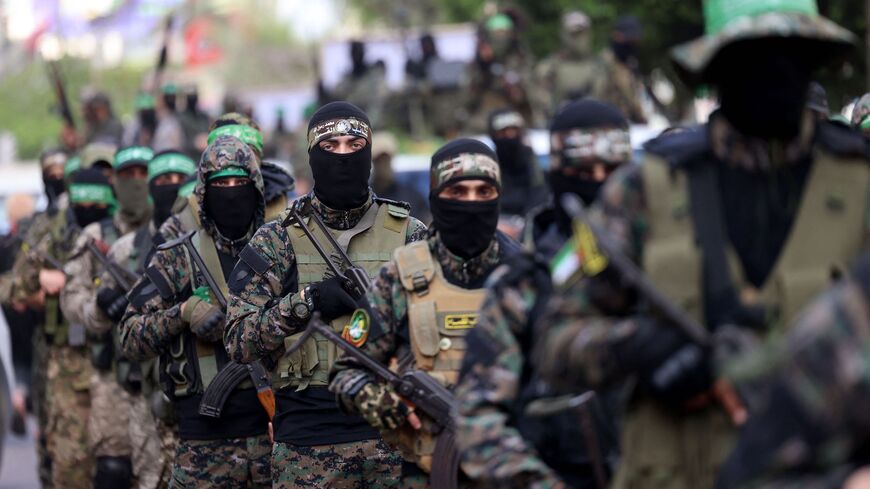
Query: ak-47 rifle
{"points": [[418, 388], [123, 278], [47, 259], [356, 280], [163, 57], [57, 85], [233, 373], [594, 244]]}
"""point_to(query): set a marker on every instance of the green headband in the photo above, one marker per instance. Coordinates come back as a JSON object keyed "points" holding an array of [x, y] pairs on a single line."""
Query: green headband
{"points": [[170, 163], [233, 171], [247, 134], [91, 193], [865, 122], [499, 22], [720, 13], [73, 165], [136, 153], [144, 101]]}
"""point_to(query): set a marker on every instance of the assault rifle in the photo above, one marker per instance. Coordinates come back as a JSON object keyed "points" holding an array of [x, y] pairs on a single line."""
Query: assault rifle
{"points": [[47, 259], [356, 280], [60, 93], [233, 373], [598, 252], [163, 57], [122, 277], [418, 388]]}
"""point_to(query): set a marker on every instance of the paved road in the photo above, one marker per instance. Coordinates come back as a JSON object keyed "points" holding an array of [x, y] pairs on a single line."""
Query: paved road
{"points": [[19, 462]]}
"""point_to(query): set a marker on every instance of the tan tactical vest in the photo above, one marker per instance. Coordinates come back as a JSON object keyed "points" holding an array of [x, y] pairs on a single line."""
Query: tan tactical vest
{"points": [[207, 362], [664, 450], [369, 245], [439, 316]]}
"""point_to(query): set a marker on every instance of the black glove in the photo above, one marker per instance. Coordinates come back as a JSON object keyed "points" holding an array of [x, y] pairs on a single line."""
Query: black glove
{"points": [[331, 299], [668, 365], [113, 302]]}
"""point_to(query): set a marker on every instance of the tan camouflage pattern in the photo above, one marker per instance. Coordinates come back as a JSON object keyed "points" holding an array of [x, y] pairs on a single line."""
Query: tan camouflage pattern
{"points": [[69, 405], [109, 421], [465, 165], [235, 463], [152, 464], [347, 126], [694, 57]]}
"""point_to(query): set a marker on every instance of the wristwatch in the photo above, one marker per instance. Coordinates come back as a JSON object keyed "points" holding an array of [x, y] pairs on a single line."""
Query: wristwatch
{"points": [[302, 305]]}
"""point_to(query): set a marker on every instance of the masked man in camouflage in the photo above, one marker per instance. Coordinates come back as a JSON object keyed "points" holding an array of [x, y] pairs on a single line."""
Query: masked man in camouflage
{"points": [[136, 382], [52, 164], [441, 277], [174, 315], [500, 445], [725, 219], [69, 367], [110, 404], [281, 280]]}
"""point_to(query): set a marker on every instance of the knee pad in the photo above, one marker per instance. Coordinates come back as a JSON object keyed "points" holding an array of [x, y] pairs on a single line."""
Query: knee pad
{"points": [[113, 472]]}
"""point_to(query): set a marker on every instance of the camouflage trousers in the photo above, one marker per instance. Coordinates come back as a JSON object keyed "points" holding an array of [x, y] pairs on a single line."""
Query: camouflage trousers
{"points": [[233, 463], [40, 405], [109, 423], [358, 465], [151, 464], [69, 371]]}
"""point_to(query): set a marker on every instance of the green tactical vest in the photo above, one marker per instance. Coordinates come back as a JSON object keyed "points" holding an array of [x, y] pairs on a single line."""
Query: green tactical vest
{"points": [[664, 450], [369, 245], [187, 346]]}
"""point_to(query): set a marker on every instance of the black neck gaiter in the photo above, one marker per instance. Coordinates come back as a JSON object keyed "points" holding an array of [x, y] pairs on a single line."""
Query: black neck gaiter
{"points": [[231, 208], [163, 197], [465, 228], [510, 153], [561, 184], [341, 181], [89, 215], [53, 188]]}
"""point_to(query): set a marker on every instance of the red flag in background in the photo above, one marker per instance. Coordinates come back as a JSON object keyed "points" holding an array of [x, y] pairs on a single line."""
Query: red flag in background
{"points": [[198, 47]]}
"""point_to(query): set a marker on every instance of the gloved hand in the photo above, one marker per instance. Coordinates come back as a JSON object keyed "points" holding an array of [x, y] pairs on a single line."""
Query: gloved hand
{"points": [[206, 320], [112, 301], [669, 367], [331, 299], [381, 406]]}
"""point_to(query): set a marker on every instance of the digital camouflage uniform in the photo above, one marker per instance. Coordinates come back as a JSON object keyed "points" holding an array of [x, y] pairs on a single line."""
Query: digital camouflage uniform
{"points": [[153, 324], [807, 393]]}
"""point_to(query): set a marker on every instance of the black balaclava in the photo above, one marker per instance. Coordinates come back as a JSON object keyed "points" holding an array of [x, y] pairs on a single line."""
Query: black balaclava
{"points": [[148, 119], [584, 115], [628, 31], [53, 186], [510, 151], [89, 214], [232, 208], [465, 228], [163, 196], [192, 102], [770, 103], [341, 181]]}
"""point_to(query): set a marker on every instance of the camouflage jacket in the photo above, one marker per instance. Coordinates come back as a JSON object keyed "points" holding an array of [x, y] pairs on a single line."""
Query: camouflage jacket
{"points": [[494, 452], [621, 87], [388, 301], [153, 318], [580, 342], [25, 271], [810, 423], [78, 300], [258, 315]]}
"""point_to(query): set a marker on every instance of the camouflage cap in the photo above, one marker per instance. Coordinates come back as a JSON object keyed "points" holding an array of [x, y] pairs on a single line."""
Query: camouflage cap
{"points": [[731, 21], [463, 159], [861, 111], [97, 153]]}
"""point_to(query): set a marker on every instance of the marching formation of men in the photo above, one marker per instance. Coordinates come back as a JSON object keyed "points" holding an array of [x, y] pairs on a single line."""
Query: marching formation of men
{"points": [[698, 319]]}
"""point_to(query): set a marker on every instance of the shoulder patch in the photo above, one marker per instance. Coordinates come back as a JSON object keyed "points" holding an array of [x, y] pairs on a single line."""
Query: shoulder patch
{"points": [[240, 276], [141, 293], [254, 259], [160, 283]]}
